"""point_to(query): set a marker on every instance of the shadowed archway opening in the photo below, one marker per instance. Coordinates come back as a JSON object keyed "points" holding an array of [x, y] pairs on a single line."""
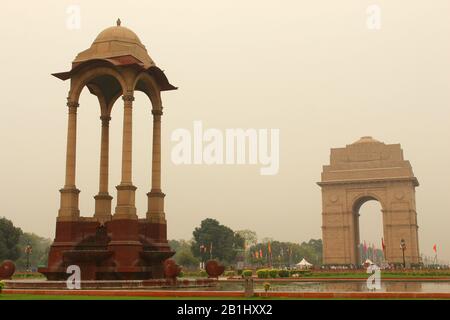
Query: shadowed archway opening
{"points": [[368, 230]]}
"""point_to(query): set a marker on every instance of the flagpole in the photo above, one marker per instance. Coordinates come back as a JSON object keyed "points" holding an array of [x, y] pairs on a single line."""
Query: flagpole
{"points": [[435, 254], [269, 254]]}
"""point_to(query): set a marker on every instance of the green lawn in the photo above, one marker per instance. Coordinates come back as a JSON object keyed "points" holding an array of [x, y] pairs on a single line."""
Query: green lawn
{"points": [[384, 274], [62, 297]]}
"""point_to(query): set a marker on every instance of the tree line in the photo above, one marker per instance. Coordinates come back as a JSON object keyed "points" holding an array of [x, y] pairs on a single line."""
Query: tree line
{"points": [[13, 245], [212, 240]]}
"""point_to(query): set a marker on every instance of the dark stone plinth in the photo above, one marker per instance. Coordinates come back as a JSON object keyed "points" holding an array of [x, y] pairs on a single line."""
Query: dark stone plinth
{"points": [[122, 249], [73, 256]]}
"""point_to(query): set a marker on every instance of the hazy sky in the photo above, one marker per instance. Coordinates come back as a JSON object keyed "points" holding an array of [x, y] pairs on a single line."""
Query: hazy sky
{"points": [[309, 68]]}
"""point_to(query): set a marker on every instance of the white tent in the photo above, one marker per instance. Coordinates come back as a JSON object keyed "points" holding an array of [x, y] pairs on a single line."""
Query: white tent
{"points": [[304, 264], [368, 261]]}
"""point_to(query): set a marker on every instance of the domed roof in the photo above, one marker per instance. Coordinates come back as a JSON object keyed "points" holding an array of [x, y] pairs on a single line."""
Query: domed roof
{"points": [[118, 33], [115, 42], [366, 139]]}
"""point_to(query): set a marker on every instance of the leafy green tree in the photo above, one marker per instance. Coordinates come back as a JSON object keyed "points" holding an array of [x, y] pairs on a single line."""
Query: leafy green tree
{"points": [[250, 237], [186, 259], [266, 240], [183, 255], [175, 245], [39, 255], [220, 242], [9, 240], [312, 251]]}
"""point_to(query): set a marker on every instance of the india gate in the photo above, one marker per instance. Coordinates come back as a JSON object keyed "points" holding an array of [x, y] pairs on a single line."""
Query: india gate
{"points": [[113, 243], [362, 171]]}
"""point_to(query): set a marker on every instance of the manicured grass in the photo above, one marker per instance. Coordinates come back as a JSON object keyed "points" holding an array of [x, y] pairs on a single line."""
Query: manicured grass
{"points": [[361, 274], [62, 297], [28, 275], [384, 274], [351, 274]]}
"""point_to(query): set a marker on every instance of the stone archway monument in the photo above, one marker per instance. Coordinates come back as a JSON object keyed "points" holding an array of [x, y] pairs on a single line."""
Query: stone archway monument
{"points": [[362, 171], [112, 244]]}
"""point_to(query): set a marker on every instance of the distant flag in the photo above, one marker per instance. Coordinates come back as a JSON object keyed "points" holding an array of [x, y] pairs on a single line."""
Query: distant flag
{"points": [[383, 245], [260, 253], [269, 253], [435, 248]]}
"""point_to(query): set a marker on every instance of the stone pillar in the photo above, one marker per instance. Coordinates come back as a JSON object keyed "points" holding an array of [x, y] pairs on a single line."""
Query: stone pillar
{"points": [[155, 213], [124, 226], [126, 208], [156, 152], [69, 209], [103, 199], [401, 224]]}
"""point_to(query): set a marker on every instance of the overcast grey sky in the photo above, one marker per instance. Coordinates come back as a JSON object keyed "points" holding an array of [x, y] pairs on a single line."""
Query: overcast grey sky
{"points": [[309, 68]]}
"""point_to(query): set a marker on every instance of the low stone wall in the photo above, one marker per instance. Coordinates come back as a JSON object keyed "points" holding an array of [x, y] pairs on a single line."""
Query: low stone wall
{"points": [[112, 285]]}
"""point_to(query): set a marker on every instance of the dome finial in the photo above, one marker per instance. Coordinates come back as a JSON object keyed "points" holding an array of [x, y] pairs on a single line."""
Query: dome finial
{"points": [[119, 22]]}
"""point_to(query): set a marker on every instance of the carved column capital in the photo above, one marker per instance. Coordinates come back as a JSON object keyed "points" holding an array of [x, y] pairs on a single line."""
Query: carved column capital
{"points": [[72, 103], [128, 98], [157, 112], [73, 106], [105, 120]]}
